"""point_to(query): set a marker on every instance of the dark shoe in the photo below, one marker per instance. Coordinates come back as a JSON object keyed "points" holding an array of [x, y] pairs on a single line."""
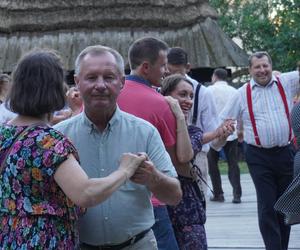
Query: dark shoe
{"points": [[236, 200], [218, 198]]}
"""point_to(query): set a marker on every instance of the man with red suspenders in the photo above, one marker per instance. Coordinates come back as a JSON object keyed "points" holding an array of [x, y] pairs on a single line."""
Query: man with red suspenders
{"points": [[264, 106]]}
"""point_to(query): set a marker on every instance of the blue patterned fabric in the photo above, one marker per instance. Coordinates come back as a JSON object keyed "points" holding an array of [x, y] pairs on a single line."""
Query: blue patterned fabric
{"points": [[188, 217]]}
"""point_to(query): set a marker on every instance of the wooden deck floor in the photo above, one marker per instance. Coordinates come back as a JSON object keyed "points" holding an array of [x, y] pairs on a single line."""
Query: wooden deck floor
{"points": [[234, 226]]}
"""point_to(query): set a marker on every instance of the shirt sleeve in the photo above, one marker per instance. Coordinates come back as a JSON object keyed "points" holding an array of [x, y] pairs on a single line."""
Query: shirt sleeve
{"points": [[290, 80], [196, 135], [167, 127], [232, 108], [158, 154], [57, 148]]}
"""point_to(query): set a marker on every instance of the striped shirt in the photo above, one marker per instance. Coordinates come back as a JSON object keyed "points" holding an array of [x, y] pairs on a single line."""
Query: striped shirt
{"points": [[268, 108]]}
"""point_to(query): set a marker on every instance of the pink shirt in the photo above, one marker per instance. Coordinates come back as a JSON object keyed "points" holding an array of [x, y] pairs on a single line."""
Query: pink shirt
{"points": [[139, 99], [144, 102]]}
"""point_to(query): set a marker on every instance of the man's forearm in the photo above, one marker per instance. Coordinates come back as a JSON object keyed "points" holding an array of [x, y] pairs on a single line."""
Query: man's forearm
{"points": [[166, 189]]}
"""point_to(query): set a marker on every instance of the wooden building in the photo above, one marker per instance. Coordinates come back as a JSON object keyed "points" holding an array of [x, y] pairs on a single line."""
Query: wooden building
{"points": [[68, 26]]}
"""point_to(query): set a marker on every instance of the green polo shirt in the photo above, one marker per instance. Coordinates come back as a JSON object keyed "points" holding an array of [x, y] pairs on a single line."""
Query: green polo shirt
{"points": [[128, 211]]}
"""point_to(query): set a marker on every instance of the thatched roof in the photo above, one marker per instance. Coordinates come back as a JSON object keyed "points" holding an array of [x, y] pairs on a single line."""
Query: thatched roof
{"points": [[70, 25]]}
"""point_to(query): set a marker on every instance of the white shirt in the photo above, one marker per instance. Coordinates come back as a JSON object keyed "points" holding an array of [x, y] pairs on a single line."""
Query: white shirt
{"points": [[268, 108], [5, 114], [222, 93], [207, 118]]}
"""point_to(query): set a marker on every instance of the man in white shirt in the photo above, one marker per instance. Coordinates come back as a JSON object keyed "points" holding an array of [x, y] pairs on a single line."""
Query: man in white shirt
{"points": [[222, 93], [207, 118], [263, 105]]}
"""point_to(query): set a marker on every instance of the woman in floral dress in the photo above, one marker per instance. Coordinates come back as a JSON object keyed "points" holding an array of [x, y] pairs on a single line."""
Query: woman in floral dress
{"points": [[42, 185], [188, 217]]}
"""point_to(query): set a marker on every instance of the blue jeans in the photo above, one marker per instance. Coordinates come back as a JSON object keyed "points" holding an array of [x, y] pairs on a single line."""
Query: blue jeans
{"points": [[163, 229]]}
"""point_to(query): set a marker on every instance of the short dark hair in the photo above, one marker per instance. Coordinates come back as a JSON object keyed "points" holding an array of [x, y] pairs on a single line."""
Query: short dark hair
{"points": [[177, 56], [259, 54], [37, 84], [146, 48], [221, 74], [170, 83]]}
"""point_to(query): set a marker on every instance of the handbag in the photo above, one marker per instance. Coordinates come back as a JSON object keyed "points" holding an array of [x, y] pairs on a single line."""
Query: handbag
{"points": [[11, 146]]}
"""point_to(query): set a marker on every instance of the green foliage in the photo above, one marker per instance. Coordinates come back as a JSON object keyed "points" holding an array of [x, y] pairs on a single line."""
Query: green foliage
{"points": [[272, 25], [223, 166]]}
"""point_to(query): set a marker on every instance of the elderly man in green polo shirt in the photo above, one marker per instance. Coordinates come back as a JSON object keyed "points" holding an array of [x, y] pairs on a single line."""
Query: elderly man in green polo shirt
{"points": [[101, 134]]}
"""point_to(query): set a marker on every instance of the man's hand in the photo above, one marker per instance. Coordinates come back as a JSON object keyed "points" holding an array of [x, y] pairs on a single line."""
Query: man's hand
{"points": [[226, 128], [146, 174]]}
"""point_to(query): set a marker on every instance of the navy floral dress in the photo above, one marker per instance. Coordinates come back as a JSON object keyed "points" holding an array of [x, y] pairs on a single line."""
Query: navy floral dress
{"points": [[34, 211], [188, 217]]}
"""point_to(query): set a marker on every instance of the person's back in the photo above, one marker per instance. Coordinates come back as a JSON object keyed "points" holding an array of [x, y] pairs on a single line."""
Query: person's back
{"points": [[149, 105], [35, 200], [222, 93]]}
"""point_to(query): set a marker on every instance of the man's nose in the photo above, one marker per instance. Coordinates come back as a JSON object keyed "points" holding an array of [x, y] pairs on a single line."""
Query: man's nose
{"points": [[100, 83]]}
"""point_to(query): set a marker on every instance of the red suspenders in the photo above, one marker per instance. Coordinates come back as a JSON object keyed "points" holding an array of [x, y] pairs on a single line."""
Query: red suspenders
{"points": [[250, 109]]}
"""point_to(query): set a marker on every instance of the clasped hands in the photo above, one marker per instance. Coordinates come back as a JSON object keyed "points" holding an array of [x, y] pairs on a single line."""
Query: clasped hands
{"points": [[139, 169], [226, 129]]}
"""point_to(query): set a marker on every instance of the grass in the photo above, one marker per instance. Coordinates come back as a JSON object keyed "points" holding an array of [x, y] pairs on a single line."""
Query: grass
{"points": [[224, 167]]}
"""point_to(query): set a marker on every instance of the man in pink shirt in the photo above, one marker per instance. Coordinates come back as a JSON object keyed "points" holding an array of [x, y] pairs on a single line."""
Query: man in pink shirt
{"points": [[148, 63]]}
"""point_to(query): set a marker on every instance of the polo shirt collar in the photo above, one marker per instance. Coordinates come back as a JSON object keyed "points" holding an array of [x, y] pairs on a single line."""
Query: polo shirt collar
{"points": [[138, 79], [111, 124]]}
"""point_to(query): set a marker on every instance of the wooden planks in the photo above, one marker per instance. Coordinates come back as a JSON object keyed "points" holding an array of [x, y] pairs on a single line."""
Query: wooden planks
{"points": [[234, 226]]}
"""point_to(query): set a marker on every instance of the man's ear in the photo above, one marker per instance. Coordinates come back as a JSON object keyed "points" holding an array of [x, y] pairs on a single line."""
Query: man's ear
{"points": [[145, 67], [249, 70], [76, 80], [187, 68], [122, 82]]}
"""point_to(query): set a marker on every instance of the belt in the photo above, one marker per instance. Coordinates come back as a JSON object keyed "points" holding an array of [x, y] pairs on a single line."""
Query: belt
{"points": [[273, 149], [120, 246]]}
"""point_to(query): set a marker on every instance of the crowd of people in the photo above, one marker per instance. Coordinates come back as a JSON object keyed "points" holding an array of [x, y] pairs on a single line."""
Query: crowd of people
{"points": [[121, 162]]}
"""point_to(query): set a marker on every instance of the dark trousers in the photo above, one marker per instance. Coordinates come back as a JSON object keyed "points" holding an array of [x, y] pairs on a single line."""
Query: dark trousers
{"points": [[271, 171], [231, 153]]}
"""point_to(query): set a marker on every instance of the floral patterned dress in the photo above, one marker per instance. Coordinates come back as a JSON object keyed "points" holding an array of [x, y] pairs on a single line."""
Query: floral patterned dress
{"points": [[188, 217], [34, 211]]}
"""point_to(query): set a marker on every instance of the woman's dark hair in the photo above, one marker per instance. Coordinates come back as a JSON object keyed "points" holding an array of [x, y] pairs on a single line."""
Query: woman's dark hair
{"points": [[170, 83], [37, 84]]}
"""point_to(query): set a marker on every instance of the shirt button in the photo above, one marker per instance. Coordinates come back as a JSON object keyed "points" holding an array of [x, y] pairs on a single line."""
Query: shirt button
{"points": [[105, 218], [102, 169]]}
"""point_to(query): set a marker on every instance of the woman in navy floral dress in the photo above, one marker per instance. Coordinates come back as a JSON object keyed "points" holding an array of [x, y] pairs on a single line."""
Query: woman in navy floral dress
{"points": [[188, 217], [40, 177]]}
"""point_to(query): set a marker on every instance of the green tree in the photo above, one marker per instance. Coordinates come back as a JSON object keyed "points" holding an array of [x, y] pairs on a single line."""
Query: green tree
{"points": [[272, 25]]}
